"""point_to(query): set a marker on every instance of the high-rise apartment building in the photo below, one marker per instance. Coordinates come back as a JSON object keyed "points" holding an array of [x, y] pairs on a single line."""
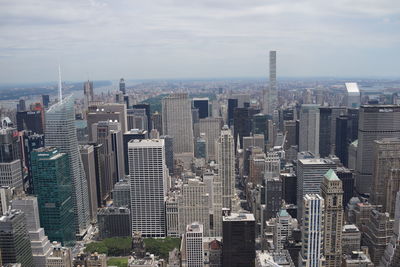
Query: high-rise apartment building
{"points": [[238, 240], [40, 244], [53, 188], [147, 171], [177, 122], [194, 245], [312, 249], [310, 173], [270, 97], [194, 205], [332, 193], [375, 122], [61, 133], [386, 173], [226, 164], [309, 128], [15, 245]]}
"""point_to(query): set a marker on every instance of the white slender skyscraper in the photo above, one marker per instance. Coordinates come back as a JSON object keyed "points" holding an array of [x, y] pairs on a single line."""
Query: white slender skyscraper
{"points": [[148, 181], [61, 133], [177, 122], [270, 95], [226, 165]]}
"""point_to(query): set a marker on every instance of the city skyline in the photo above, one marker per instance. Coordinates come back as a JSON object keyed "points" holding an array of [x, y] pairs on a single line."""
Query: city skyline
{"points": [[176, 39]]}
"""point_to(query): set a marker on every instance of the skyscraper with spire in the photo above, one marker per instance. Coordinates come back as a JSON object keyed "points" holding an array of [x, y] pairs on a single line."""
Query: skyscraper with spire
{"points": [[61, 133]]}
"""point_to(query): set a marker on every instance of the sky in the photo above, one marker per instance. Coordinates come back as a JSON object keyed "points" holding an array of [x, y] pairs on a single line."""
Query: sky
{"points": [[162, 39]]}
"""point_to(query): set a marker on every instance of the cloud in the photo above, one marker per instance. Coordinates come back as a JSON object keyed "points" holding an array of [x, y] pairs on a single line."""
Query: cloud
{"points": [[162, 38]]}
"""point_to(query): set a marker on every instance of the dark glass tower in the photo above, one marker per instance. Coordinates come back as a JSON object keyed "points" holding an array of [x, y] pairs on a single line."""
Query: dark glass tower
{"points": [[53, 188], [202, 105]]}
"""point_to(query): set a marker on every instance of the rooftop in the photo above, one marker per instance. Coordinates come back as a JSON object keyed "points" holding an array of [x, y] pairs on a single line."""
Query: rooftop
{"points": [[239, 217], [331, 175], [352, 88]]}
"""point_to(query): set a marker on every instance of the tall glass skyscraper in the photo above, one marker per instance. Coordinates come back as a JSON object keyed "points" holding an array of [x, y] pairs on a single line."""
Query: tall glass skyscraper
{"points": [[53, 188], [61, 133]]}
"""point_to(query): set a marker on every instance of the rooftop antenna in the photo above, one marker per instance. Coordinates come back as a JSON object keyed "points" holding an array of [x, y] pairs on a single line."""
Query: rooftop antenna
{"points": [[59, 83]]}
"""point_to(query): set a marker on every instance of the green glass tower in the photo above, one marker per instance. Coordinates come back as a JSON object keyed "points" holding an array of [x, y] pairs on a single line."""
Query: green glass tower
{"points": [[53, 188]]}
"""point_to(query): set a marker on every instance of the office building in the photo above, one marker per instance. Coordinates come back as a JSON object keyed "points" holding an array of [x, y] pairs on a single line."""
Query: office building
{"points": [[114, 222], [347, 178], [6, 195], [353, 96], [376, 122], [238, 240], [121, 194], [357, 259], [289, 187], [15, 245], [310, 173], [351, 239], [122, 87], [391, 256], [346, 133], [194, 245], [128, 136], [45, 101], [106, 112], [40, 244], [53, 184], [10, 163], [194, 206], [312, 249], [332, 193], [242, 123], [60, 256], [147, 172], [89, 165], [260, 125], [284, 225], [270, 96], [232, 105], [202, 105], [87, 93], [30, 121], [177, 122], [273, 259], [61, 133], [211, 127], [156, 120], [273, 197], [172, 215], [201, 150], [377, 234], [30, 142], [309, 128], [386, 173], [169, 152], [226, 164], [146, 107]]}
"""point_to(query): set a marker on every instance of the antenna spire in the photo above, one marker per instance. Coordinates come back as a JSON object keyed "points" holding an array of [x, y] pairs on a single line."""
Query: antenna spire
{"points": [[59, 83]]}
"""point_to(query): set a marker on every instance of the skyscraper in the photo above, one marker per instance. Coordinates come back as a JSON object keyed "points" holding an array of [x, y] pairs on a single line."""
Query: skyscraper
{"points": [[147, 171], [61, 133], [309, 129], [311, 253], [88, 93], [226, 164], [52, 186], [238, 240], [212, 129], [353, 98], [310, 173], [122, 86], [40, 244], [177, 122], [386, 173], [202, 105], [30, 121], [15, 245], [194, 245], [270, 97], [376, 122], [332, 193]]}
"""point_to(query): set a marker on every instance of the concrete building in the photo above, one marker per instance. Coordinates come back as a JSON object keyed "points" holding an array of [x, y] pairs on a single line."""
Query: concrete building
{"points": [[284, 225], [311, 253], [128, 136], [172, 215], [310, 173], [357, 259], [273, 197], [226, 164], [6, 195], [353, 96], [273, 259], [332, 193], [212, 129], [391, 256], [194, 245], [375, 122], [40, 244], [270, 95], [148, 172], [309, 128], [61, 133], [351, 239], [386, 173], [121, 194], [177, 122], [59, 257]]}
